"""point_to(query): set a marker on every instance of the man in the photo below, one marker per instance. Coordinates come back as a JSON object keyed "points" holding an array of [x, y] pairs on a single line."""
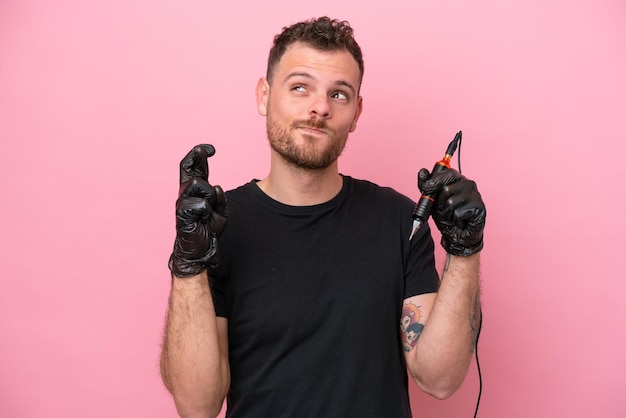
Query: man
{"points": [[288, 300]]}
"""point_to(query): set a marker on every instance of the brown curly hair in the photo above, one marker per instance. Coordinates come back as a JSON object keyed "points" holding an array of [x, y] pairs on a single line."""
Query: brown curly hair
{"points": [[323, 33]]}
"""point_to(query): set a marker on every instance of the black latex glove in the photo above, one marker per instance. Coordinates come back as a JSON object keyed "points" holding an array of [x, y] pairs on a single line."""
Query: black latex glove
{"points": [[201, 214], [458, 212]]}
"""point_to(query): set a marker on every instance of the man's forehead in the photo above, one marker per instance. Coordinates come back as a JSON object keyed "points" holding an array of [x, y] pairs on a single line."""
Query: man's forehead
{"points": [[301, 57]]}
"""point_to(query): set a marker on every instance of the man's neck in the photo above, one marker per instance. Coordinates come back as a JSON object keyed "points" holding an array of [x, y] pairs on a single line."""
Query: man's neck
{"points": [[300, 187]]}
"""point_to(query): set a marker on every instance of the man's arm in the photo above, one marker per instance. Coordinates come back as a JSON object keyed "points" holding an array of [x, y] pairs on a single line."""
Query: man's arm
{"points": [[439, 357], [438, 360], [194, 359]]}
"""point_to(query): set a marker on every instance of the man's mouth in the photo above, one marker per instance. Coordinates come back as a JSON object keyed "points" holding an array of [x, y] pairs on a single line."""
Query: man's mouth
{"points": [[313, 128]]}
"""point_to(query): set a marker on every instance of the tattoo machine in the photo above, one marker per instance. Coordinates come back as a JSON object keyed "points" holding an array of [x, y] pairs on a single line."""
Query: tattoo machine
{"points": [[425, 203]]}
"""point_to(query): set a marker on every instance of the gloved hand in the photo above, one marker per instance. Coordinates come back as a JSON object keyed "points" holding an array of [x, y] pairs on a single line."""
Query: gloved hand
{"points": [[201, 214], [458, 212]]}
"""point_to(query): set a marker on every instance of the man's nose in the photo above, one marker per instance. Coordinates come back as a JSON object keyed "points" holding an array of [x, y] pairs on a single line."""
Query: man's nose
{"points": [[320, 106]]}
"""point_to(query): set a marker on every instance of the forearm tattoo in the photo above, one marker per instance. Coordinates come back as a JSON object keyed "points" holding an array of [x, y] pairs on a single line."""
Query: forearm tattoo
{"points": [[475, 322], [447, 265], [410, 326], [475, 313]]}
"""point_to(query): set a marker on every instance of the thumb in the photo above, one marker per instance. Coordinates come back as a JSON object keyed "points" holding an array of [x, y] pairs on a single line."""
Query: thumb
{"points": [[422, 176]]}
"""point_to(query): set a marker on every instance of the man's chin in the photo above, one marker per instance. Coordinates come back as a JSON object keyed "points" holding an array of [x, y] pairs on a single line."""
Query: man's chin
{"points": [[309, 162]]}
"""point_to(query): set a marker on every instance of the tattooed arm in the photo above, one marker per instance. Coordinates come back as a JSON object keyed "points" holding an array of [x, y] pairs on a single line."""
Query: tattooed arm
{"points": [[438, 331]]}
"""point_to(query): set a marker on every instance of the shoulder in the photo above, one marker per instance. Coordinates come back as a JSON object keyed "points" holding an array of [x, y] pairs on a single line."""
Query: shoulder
{"points": [[242, 190], [377, 193], [244, 193]]}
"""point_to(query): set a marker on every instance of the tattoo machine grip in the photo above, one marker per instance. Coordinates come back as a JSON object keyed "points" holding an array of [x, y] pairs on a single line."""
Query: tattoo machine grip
{"points": [[426, 201]]}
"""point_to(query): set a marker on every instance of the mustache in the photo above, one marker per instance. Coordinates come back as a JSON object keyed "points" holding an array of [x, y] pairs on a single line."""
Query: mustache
{"points": [[311, 123]]}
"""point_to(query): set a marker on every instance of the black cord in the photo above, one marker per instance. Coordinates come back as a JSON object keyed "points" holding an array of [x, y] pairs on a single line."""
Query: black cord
{"points": [[458, 156], [480, 376], [480, 322]]}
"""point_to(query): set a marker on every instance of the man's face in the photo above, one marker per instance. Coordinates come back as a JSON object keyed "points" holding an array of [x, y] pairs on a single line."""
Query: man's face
{"points": [[311, 105]]}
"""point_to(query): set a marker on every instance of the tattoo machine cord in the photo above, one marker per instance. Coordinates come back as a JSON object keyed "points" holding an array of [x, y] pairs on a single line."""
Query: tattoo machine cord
{"points": [[480, 376]]}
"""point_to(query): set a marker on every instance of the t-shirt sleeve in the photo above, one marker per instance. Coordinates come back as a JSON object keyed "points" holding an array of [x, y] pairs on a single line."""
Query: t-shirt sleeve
{"points": [[217, 285], [421, 275]]}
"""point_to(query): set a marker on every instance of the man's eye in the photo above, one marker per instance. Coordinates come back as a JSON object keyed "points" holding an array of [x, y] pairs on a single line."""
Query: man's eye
{"points": [[340, 95], [298, 88]]}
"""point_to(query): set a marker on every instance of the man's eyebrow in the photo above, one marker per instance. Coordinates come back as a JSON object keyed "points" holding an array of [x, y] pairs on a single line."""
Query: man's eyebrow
{"points": [[347, 85], [342, 83], [298, 74]]}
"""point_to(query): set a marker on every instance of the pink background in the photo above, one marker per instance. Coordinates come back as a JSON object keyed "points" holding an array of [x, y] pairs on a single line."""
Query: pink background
{"points": [[100, 100]]}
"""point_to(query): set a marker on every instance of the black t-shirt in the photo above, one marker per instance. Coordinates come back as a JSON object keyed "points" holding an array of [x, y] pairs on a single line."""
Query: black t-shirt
{"points": [[313, 297]]}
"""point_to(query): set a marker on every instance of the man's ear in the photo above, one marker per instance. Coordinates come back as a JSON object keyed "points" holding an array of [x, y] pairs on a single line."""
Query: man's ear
{"points": [[262, 95], [359, 109]]}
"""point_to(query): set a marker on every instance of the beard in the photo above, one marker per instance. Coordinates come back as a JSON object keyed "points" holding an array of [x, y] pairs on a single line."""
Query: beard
{"points": [[307, 155]]}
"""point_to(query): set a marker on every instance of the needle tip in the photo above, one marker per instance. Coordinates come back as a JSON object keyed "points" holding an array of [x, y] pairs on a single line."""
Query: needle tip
{"points": [[417, 224]]}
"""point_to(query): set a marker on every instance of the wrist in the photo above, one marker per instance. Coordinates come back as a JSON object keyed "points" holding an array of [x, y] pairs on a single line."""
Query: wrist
{"points": [[467, 259], [200, 279]]}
